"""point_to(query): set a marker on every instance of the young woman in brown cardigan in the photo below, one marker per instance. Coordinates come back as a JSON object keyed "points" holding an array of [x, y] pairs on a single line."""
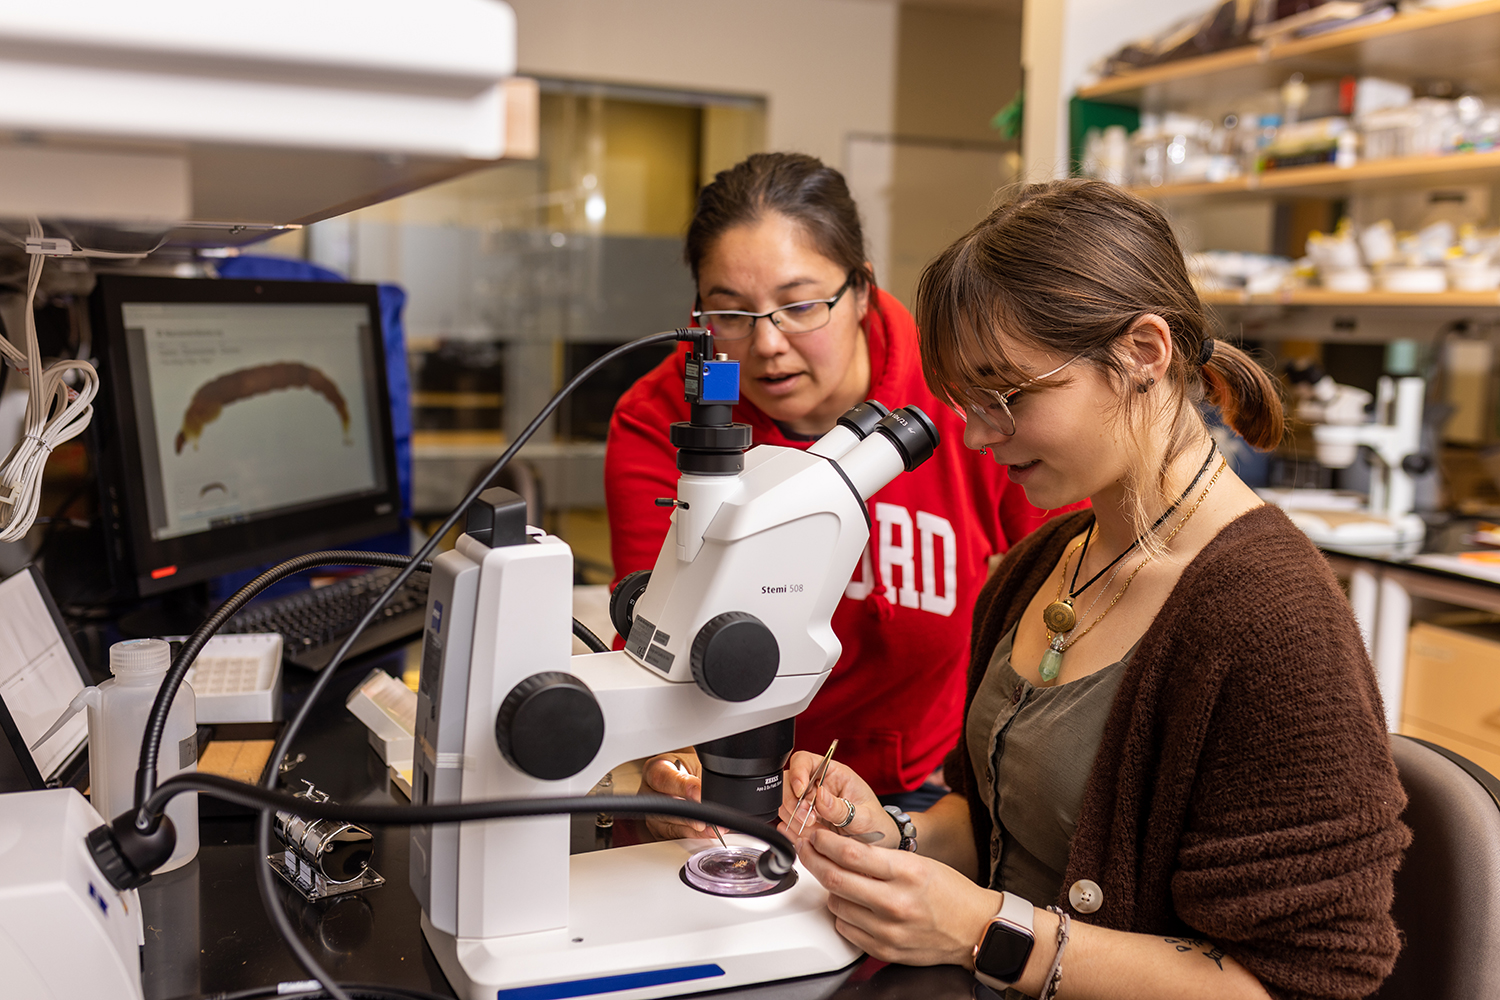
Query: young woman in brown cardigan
{"points": [[1174, 743]]}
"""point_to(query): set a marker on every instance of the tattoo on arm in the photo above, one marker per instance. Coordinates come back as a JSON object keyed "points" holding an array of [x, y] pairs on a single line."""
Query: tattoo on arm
{"points": [[1207, 949]]}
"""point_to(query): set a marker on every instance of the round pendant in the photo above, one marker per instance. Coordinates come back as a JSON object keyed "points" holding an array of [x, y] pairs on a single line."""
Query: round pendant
{"points": [[1059, 616]]}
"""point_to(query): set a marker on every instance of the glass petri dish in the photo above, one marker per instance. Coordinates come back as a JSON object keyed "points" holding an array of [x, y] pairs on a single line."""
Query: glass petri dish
{"points": [[727, 871]]}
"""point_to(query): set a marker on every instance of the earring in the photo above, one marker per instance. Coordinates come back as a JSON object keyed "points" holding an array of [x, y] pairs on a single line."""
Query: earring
{"points": [[984, 451], [1143, 386]]}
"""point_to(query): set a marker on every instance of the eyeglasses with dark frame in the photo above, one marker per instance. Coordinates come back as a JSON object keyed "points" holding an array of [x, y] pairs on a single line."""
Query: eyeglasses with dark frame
{"points": [[793, 318], [994, 410]]}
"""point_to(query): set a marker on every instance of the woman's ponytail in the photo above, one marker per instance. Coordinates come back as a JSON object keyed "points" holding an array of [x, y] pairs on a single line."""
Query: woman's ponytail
{"points": [[1247, 398]]}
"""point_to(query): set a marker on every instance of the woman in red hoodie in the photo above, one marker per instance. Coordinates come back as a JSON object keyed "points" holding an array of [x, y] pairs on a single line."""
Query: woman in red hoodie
{"points": [[778, 255]]}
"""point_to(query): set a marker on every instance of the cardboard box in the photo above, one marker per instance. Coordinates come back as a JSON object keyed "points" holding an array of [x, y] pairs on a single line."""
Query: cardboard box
{"points": [[1452, 693]]}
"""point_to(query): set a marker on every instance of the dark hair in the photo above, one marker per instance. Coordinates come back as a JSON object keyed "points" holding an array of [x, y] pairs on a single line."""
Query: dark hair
{"points": [[796, 185], [1071, 266]]}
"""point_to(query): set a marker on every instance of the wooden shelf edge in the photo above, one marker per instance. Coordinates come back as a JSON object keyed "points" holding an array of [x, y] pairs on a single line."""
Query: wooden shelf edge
{"points": [[1322, 297], [1398, 168], [1200, 189], [1215, 62], [1403, 23], [1272, 52], [1453, 166]]}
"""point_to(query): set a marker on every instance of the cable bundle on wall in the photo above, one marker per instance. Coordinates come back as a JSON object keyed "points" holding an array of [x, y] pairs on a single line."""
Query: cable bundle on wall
{"points": [[55, 411]]}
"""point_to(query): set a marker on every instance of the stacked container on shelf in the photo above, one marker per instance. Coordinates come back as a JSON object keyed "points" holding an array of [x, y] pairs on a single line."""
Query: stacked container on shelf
{"points": [[1327, 121], [1437, 258]]}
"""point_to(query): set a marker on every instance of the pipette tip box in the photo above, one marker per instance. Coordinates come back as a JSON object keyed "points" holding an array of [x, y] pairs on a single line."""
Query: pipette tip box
{"points": [[237, 678]]}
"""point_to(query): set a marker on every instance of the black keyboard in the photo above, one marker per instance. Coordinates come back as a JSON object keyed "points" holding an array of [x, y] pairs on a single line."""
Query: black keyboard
{"points": [[314, 623]]}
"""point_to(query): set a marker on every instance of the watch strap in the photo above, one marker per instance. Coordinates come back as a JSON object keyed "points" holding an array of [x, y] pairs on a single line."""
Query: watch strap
{"points": [[1015, 910]]}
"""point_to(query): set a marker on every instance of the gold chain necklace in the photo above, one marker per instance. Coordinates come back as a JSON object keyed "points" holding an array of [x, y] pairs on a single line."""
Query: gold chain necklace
{"points": [[1059, 616], [1060, 642]]}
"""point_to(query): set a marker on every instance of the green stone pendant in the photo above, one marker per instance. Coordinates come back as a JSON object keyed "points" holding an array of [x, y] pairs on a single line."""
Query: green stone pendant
{"points": [[1051, 664]]}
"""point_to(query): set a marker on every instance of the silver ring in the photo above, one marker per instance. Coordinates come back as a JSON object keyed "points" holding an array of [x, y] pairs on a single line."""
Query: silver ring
{"points": [[847, 819]]}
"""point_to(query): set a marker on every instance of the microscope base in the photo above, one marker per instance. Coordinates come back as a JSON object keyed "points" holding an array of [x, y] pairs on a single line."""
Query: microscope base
{"points": [[1331, 529], [636, 930], [1337, 520]]}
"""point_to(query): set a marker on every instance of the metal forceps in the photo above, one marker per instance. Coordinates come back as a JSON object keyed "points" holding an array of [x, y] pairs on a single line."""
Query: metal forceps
{"points": [[814, 786], [682, 769]]}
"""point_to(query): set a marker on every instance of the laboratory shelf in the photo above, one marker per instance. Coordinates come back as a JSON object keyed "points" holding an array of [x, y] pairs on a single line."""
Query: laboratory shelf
{"points": [[1196, 189], [1412, 45], [1324, 297], [1325, 180]]}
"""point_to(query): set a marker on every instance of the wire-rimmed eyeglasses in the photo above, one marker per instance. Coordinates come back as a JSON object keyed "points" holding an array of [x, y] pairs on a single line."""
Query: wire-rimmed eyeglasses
{"points": [[792, 318], [993, 406]]}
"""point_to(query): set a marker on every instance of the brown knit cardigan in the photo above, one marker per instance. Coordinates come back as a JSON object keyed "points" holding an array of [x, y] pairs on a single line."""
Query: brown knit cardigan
{"points": [[1243, 790]]}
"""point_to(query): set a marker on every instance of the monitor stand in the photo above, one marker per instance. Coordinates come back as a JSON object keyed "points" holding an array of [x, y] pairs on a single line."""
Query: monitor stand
{"points": [[177, 612]]}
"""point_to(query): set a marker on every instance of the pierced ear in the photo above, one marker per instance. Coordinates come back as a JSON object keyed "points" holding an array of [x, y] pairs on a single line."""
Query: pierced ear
{"points": [[865, 294], [1147, 347]]}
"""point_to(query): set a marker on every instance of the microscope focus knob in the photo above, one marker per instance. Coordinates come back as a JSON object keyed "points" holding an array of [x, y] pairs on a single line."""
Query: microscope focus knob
{"points": [[550, 726], [734, 656], [622, 600], [1416, 464]]}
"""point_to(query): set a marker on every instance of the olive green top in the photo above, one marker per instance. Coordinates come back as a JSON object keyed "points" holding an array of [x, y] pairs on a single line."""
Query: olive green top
{"points": [[1032, 749]]}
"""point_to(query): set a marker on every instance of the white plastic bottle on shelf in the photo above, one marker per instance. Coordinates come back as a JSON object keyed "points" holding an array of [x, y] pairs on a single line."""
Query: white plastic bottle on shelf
{"points": [[1114, 157], [1347, 153], [118, 709]]}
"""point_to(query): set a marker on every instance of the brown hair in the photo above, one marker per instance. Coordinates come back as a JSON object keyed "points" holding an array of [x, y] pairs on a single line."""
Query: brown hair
{"points": [[796, 185], [1071, 266]]}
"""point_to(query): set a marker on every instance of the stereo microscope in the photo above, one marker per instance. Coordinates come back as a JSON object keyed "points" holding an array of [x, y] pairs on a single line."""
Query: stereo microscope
{"points": [[727, 639]]}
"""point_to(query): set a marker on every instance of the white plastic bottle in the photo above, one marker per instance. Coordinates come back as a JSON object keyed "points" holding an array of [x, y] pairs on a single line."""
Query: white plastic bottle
{"points": [[118, 710]]}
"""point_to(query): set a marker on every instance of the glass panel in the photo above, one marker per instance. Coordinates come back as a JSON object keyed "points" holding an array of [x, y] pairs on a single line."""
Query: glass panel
{"points": [[519, 275]]}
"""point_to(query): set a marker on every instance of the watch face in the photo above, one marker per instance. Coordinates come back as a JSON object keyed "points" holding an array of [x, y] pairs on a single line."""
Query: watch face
{"points": [[1003, 952]]}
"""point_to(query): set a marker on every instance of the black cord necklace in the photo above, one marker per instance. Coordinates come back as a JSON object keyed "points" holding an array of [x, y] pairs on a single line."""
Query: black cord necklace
{"points": [[1059, 616]]}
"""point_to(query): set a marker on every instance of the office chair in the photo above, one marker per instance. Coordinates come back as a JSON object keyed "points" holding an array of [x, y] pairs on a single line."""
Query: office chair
{"points": [[1448, 890]]}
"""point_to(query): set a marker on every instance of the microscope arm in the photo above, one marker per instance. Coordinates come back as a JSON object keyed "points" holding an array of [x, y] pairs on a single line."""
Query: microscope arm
{"points": [[646, 714]]}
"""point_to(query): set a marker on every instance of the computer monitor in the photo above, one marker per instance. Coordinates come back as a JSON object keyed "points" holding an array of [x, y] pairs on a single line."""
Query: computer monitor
{"points": [[238, 423]]}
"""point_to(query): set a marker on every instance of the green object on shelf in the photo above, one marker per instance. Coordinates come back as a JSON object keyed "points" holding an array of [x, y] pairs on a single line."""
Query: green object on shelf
{"points": [[1084, 115], [1402, 357], [1009, 119]]}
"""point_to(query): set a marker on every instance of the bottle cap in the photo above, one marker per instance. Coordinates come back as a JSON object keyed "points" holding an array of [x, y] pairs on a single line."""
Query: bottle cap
{"points": [[140, 657]]}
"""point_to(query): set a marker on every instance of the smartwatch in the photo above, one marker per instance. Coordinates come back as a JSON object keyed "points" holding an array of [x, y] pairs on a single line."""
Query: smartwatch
{"points": [[1001, 954]]}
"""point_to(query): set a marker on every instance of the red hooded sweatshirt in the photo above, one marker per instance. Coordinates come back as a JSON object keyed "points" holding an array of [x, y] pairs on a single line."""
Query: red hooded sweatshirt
{"points": [[895, 697]]}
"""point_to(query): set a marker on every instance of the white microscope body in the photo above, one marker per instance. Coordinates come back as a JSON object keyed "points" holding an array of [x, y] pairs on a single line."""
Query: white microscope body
{"points": [[1394, 436], [754, 558], [65, 932]]}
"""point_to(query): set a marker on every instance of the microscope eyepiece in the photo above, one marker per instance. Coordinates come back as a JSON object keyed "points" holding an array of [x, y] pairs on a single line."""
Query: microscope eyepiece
{"points": [[864, 418], [913, 434]]}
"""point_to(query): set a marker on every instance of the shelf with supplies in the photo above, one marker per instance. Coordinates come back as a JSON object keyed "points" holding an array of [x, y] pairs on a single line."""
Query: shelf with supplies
{"points": [[1327, 180], [1410, 46], [1391, 141]]}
